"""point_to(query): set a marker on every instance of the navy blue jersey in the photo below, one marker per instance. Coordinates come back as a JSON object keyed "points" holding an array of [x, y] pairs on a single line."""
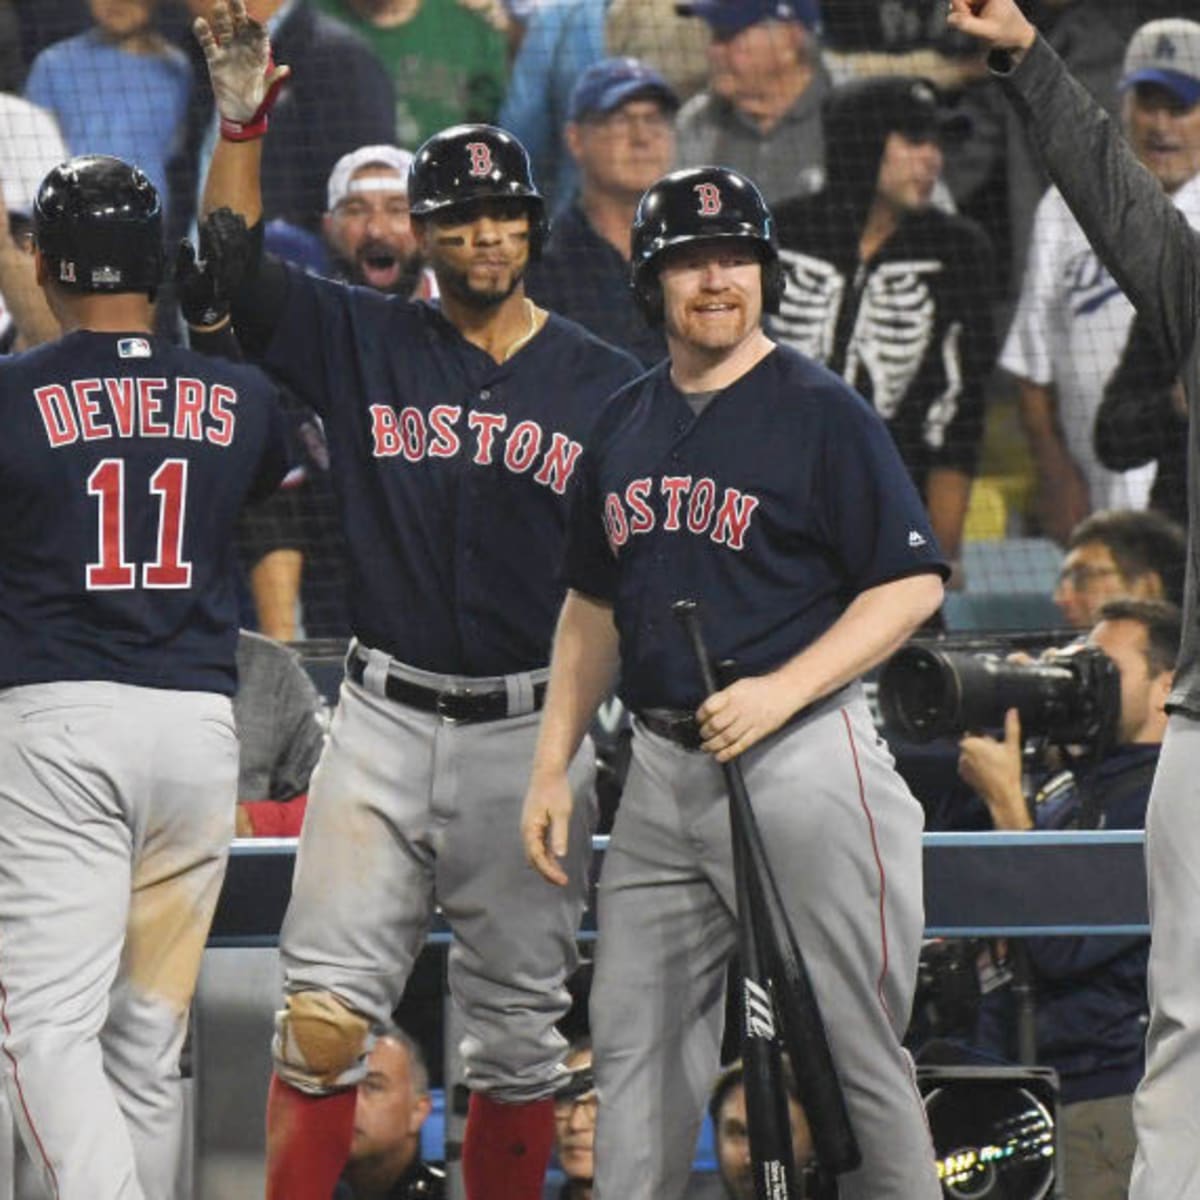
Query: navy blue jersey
{"points": [[776, 506], [124, 464], [451, 469]]}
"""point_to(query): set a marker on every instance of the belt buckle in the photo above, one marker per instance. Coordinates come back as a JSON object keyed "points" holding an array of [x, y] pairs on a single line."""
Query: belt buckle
{"points": [[442, 705]]}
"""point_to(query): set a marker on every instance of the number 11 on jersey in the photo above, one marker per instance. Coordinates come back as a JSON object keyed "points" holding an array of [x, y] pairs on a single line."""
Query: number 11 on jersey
{"points": [[113, 572]]}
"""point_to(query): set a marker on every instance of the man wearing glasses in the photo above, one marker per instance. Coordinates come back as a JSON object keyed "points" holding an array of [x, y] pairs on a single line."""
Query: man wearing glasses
{"points": [[1119, 553], [620, 132]]}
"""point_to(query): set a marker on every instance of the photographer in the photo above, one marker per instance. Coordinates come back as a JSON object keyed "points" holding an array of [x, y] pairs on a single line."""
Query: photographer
{"points": [[1089, 992]]}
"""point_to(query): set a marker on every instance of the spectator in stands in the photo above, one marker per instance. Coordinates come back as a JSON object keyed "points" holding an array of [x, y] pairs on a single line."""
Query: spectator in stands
{"points": [[655, 32], [619, 133], [575, 1123], [280, 721], [727, 1108], [30, 145], [891, 292], [448, 59], [761, 112], [1143, 418], [338, 98], [117, 88], [1089, 991], [1072, 320], [563, 38], [1120, 553], [293, 543], [393, 1103]]}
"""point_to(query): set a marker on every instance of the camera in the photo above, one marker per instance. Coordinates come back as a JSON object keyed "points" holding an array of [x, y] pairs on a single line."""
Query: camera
{"points": [[1072, 697]]}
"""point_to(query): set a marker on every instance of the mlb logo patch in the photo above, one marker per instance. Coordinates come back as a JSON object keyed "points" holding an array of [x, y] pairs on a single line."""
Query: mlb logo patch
{"points": [[133, 348]]}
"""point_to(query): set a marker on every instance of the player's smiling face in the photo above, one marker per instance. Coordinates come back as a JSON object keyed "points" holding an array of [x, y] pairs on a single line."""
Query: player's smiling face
{"points": [[479, 251], [1164, 133], [712, 293]]}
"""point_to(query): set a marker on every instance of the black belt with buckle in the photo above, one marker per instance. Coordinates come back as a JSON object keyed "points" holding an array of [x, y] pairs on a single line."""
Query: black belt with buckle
{"points": [[678, 727], [462, 704]]}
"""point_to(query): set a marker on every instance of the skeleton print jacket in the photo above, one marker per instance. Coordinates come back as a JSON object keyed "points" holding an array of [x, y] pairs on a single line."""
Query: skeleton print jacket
{"points": [[911, 330]]}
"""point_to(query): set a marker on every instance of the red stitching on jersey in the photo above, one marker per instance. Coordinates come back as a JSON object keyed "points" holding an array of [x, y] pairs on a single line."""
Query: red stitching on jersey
{"points": [[37, 1137], [862, 800]]}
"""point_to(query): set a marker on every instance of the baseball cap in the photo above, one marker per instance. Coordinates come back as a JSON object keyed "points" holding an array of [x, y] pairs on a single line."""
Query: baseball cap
{"points": [[1165, 52], [344, 169], [608, 84], [732, 16]]}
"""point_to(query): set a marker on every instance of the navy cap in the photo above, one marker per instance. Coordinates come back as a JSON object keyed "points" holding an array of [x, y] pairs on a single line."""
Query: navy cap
{"points": [[608, 84], [732, 16]]}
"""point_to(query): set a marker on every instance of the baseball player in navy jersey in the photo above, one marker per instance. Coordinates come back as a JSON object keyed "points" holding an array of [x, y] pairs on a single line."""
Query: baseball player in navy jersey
{"points": [[744, 475], [124, 463], [454, 430]]}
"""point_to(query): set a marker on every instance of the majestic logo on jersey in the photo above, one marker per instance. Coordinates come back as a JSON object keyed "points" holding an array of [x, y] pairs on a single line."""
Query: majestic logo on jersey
{"points": [[709, 196], [481, 159], [415, 435], [915, 540], [687, 505], [91, 410]]}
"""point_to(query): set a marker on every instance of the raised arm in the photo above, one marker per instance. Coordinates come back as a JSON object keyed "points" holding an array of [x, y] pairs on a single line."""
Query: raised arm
{"points": [[1141, 237]]}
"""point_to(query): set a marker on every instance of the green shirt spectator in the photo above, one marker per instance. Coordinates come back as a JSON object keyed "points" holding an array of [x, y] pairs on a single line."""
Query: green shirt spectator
{"points": [[448, 62]]}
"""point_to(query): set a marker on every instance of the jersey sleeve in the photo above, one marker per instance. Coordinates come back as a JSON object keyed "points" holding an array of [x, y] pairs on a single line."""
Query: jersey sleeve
{"points": [[870, 511], [1026, 352]]}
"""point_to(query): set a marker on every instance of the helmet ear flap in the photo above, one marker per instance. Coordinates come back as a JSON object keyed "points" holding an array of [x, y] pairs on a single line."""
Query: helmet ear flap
{"points": [[774, 283], [647, 293]]}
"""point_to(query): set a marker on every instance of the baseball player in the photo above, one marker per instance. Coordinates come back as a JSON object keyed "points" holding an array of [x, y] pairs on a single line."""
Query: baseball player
{"points": [[454, 431], [746, 476], [1149, 247], [124, 463]]}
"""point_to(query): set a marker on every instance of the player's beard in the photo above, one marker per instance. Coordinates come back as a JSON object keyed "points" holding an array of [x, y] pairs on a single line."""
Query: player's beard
{"points": [[457, 283]]}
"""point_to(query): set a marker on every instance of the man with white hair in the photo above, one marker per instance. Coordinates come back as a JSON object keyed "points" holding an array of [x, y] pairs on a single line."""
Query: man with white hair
{"points": [[1072, 320]]}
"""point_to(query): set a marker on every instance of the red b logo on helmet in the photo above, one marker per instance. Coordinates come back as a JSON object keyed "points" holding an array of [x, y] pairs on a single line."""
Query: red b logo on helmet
{"points": [[710, 199], [481, 159]]}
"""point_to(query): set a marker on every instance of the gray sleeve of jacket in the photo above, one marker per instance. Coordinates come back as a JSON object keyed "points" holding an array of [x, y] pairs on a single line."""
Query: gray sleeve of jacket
{"points": [[1143, 239]]}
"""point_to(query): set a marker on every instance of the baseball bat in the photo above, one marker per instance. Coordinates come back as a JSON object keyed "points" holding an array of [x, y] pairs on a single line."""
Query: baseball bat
{"points": [[796, 1009]]}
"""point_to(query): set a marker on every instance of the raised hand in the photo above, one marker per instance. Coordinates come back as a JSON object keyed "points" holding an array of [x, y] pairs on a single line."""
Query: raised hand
{"points": [[999, 24], [245, 79], [206, 284]]}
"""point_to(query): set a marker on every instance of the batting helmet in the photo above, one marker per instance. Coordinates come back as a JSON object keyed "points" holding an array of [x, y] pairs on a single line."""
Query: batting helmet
{"points": [[699, 204], [475, 162], [98, 224]]}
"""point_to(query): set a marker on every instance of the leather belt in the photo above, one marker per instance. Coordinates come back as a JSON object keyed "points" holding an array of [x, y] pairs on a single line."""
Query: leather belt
{"points": [[459, 705], [673, 724]]}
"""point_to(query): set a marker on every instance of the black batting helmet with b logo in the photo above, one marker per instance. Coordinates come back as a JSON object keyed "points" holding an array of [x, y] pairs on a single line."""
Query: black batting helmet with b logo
{"points": [[97, 222], [700, 204], [466, 163]]}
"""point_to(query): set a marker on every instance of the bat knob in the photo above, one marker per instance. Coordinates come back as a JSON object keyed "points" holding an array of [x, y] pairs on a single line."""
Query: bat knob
{"points": [[684, 610]]}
